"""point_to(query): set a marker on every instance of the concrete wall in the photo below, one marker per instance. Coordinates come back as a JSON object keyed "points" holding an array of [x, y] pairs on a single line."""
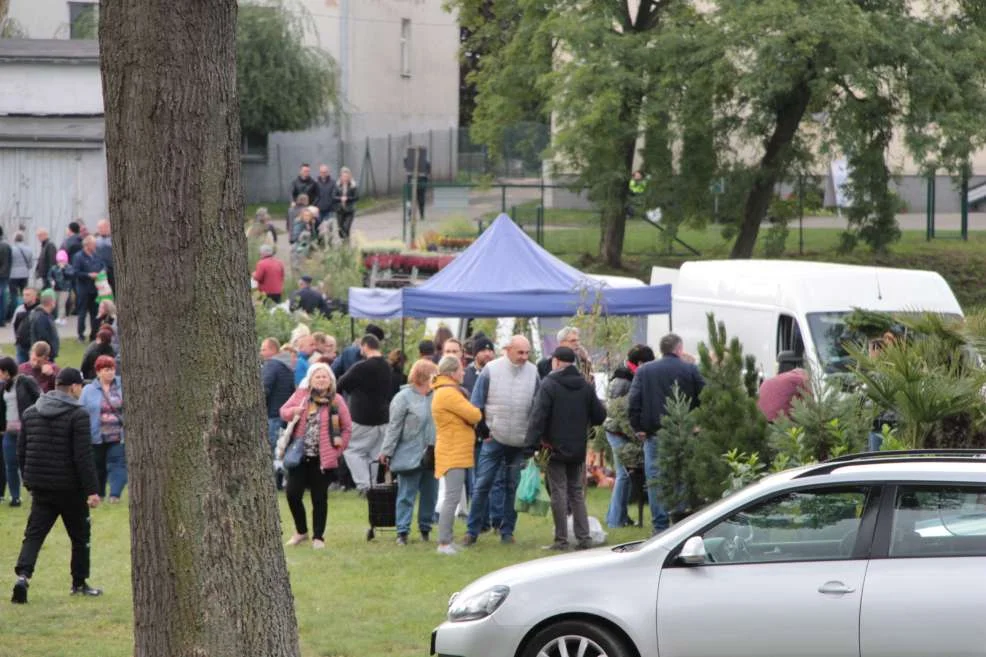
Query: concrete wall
{"points": [[56, 88], [41, 19]]}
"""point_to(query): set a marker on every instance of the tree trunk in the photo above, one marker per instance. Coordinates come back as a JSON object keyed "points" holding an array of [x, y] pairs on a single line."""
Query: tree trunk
{"points": [[790, 111], [209, 575], [618, 191]]}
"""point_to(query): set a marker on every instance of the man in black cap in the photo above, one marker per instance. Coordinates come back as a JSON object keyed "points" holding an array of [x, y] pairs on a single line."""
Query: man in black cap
{"points": [[308, 298], [565, 407], [55, 454]]}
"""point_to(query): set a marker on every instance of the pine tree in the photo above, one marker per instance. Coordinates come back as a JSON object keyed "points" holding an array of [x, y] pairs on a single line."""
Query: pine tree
{"points": [[676, 455], [728, 416]]}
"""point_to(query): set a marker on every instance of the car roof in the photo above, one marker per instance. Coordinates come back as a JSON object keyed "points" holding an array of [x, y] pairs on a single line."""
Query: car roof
{"points": [[935, 465]]}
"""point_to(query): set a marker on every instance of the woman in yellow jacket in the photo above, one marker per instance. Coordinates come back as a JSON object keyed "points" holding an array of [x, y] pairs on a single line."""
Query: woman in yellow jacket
{"points": [[455, 436]]}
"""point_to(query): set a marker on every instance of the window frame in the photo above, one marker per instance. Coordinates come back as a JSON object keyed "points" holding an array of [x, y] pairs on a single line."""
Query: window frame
{"points": [[255, 154], [868, 524], [405, 48], [81, 8], [887, 516]]}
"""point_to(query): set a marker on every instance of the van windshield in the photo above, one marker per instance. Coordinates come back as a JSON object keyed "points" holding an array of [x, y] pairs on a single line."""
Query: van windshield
{"points": [[830, 335]]}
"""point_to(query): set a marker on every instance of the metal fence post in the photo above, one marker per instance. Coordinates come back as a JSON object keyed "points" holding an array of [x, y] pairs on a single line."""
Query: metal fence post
{"points": [[390, 164], [451, 149], [965, 204]]}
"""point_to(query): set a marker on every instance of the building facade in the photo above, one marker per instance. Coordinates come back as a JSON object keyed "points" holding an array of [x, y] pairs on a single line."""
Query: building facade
{"points": [[399, 71]]}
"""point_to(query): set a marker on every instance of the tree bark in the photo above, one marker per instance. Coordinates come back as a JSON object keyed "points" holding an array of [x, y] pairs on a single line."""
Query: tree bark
{"points": [[790, 110], [209, 574], [618, 192]]}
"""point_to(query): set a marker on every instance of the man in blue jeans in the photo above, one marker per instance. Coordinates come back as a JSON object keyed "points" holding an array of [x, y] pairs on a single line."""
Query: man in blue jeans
{"points": [[278, 380], [505, 392], [652, 385]]}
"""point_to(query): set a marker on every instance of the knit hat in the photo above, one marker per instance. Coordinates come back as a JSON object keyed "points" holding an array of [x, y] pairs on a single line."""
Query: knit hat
{"points": [[48, 294], [61, 256]]}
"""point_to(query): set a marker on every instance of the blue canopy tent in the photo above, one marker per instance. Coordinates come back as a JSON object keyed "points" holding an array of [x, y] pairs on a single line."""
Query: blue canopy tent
{"points": [[506, 274]]}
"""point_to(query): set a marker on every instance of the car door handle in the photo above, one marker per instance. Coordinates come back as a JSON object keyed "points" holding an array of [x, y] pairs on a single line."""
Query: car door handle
{"points": [[835, 588]]}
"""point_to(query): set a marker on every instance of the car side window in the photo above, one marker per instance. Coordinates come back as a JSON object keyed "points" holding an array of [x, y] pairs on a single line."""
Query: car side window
{"points": [[939, 521], [806, 525]]}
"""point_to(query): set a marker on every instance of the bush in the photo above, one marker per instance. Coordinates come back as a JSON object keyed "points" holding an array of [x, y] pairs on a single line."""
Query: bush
{"points": [[676, 455]]}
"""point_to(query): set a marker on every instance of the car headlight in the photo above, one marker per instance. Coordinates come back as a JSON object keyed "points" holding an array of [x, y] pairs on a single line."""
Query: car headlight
{"points": [[476, 606]]}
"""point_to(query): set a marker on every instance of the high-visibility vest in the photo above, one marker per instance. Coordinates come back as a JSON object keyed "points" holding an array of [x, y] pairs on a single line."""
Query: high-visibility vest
{"points": [[638, 186]]}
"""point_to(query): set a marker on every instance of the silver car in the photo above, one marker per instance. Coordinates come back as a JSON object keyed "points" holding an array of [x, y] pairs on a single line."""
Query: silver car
{"points": [[863, 556]]}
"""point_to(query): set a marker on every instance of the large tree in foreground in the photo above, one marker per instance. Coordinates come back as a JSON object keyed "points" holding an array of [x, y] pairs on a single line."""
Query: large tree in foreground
{"points": [[209, 575]]}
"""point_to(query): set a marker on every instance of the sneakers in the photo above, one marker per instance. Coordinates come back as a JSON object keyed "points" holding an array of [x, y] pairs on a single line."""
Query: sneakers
{"points": [[556, 547], [402, 539], [297, 539], [20, 591], [86, 590], [448, 549], [16, 502], [318, 544], [468, 540]]}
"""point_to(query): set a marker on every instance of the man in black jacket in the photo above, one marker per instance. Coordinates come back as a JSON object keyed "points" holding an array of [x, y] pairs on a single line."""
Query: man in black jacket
{"points": [[46, 257], [42, 326], [304, 184], [652, 385], [56, 459], [22, 324], [565, 408], [308, 298], [326, 193], [5, 262], [278, 379]]}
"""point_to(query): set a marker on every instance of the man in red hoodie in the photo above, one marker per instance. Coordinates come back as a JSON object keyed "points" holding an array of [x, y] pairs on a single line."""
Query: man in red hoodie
{"points": [[269, 274]]}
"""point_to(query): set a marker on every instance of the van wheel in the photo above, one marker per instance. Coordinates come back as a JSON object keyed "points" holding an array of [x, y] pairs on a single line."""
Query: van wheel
{"points": [[575, 638]]}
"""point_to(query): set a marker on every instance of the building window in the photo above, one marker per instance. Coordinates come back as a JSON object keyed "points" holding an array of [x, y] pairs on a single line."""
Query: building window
{"points": [[83, 20], [254, 146], [406, 47]]}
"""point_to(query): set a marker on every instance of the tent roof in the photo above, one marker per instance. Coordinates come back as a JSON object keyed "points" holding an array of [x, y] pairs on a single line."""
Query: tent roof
{"points": [[505, 273]]}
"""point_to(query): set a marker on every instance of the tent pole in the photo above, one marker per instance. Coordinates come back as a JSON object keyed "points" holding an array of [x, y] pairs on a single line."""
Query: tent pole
{"points": [[403, 330]]}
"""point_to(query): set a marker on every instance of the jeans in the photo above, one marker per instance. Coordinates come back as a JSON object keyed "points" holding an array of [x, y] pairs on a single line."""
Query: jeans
{"points": [[874, 441], [46, 507], [617, 516], [568, 493], [492, 457], [23, 355], [86, 305], [652, 470], [4, 299], [111, 466], [17, 286], [421, 484], [497, 493], [309, 475], [11, 468], [454, 481]]}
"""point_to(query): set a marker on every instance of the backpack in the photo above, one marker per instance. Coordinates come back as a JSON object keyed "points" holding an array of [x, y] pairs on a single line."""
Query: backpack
{"points": [[23, 324]]}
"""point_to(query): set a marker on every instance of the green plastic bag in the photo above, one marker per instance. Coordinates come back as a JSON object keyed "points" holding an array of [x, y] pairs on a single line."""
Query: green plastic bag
{"points": [[531, 496], [530, 482]]}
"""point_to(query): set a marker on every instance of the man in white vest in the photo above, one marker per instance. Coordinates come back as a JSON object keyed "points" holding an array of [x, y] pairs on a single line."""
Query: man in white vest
{"points": [[505, 392]]}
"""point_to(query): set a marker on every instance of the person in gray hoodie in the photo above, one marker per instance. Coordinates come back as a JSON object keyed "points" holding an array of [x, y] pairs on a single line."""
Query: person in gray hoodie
{"points": [[409, 450], [55, 454]]}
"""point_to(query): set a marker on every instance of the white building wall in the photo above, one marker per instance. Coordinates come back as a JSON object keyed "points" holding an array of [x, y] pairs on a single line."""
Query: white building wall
{"points": [[41, 88], [41, 19]]}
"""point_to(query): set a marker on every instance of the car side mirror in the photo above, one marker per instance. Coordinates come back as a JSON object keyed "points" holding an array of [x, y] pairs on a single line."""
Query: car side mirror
{"points": [[693, 551], [788, 360]]}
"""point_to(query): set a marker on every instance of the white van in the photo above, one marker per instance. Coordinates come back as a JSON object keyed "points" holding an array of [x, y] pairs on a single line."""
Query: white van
{"points": [[774, 306]]}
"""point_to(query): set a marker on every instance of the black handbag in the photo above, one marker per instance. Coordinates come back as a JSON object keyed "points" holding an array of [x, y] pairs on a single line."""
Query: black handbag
{"points": [[428, 458], [294, 454]]}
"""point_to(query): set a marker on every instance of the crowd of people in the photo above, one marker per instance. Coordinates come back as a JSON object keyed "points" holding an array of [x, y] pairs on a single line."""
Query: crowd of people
{"points": [[63, 429]]}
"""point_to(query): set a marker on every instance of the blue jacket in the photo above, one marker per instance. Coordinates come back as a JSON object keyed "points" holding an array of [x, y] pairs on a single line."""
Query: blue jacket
{"points": [[349, 357], [410, 431], [301, 368], [92, 401], [85, 264], [43, 328], [652, 385], [278, 383]]}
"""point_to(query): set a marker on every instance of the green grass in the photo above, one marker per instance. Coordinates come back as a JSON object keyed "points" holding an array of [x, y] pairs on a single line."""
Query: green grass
{"points": [[355, 599]]}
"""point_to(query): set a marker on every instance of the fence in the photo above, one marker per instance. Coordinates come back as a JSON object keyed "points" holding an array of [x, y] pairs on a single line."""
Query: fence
{"points": [[378, 163]]}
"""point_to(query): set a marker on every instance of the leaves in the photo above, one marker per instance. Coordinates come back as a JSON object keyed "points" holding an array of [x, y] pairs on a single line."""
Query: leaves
{"points": [[284, 84]]}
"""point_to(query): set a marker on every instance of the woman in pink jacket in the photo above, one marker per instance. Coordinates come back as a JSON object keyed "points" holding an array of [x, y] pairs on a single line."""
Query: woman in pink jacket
{"points": [[324, 425]]}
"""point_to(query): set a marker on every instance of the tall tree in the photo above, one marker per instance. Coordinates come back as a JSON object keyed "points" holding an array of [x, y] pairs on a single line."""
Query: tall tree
{"points": [[209, 574], [284, 83]]}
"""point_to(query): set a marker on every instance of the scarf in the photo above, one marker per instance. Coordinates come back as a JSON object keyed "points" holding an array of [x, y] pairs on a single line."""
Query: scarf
{"points": [[317, 400], [632, 367]]}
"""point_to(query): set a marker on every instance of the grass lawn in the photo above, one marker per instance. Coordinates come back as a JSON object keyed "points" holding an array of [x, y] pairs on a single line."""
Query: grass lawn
{"points": [[355, 599]]}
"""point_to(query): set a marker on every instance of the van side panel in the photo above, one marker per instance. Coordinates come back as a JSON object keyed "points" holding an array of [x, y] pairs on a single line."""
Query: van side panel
{"points": [[756, 328]]}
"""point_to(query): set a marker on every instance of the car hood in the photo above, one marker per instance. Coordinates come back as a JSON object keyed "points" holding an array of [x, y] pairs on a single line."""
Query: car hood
{"points": [[581, 564]]}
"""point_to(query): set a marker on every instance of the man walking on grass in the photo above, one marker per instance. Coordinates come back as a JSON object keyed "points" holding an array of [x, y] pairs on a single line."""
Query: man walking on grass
{"points": [[565, 408], [55, 453]]}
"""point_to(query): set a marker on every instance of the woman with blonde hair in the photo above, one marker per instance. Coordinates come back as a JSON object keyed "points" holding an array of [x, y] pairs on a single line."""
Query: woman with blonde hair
{"points": [[346, 196], [409, 451], [455, 421], [322, 421]]}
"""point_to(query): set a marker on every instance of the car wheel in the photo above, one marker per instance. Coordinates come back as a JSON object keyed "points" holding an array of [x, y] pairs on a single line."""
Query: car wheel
{"points": [[575, 638]]}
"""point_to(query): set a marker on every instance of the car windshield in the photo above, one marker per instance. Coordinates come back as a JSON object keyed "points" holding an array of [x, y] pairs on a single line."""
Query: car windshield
{"points": [[830, 337]]}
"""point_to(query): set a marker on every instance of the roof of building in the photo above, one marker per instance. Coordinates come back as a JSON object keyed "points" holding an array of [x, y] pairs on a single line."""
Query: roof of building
{"points": [[49, 50], [65, 130]]}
